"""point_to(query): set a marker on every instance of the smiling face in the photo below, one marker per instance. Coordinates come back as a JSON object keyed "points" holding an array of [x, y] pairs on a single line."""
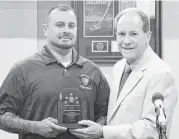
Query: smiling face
{"points": [[132, 40], [61, 30]]}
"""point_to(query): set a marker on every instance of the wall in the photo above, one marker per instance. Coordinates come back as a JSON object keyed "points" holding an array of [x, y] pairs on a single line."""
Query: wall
{"points": [[170, 51]]}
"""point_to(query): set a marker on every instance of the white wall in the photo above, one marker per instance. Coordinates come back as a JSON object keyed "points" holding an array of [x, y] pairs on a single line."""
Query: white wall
{"points": [[171, 50]]}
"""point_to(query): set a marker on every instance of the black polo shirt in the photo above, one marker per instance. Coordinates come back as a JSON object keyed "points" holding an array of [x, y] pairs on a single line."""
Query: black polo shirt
{"points": [[31, 89]]}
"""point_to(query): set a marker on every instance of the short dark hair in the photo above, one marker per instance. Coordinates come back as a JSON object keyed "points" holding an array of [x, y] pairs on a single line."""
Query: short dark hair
{"points": [[60, 7], [143, 16]]}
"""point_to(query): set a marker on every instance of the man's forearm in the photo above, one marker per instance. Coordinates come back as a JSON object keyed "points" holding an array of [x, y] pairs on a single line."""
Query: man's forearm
{"points": [[14, 124]]}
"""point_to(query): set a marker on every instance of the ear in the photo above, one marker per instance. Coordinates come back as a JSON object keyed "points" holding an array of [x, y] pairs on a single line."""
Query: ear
{"points": [[45, 29], [148, 36]]}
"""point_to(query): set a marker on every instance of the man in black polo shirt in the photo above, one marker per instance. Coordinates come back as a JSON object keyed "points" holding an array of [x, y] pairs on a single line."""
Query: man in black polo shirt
{"points": [[30, 94]]}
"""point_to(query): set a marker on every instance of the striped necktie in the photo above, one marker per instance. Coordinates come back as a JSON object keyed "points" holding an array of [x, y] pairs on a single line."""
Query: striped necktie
{"points": [[125, 75]]}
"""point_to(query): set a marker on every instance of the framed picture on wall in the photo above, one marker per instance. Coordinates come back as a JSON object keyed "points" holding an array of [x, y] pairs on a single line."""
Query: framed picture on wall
{"points": [[94, 25], [98, 18], [99, 46]]}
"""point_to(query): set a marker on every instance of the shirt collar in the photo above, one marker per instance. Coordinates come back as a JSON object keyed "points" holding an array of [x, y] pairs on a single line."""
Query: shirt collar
{"points": [[49, 58]]}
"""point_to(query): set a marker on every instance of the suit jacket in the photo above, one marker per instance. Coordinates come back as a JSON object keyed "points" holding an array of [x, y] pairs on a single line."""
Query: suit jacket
{"points": [[132, 115]]}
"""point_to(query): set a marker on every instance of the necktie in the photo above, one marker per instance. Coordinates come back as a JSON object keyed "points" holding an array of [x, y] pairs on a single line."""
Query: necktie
{"points": [[125, 75]]}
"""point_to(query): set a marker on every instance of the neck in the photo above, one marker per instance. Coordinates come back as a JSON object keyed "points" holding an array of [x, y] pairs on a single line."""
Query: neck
{"points": [[62, 55]]}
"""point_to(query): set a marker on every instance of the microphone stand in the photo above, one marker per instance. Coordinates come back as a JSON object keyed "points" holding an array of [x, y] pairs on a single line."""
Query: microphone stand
{"points": [[161, 128]]}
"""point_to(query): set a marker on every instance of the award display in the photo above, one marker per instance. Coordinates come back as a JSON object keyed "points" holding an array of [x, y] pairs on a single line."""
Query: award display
{"points": [[72, 107]]}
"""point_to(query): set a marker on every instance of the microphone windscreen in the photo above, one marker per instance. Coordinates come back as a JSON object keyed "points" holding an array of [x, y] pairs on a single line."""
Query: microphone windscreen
{"points": [[157, 96]]}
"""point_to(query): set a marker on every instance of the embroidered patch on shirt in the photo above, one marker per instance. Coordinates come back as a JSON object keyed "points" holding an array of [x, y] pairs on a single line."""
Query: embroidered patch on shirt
{"points": [[85, 81]]}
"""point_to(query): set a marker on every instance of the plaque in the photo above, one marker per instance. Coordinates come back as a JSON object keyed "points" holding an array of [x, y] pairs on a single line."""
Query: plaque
{"points": [[72, 107]]}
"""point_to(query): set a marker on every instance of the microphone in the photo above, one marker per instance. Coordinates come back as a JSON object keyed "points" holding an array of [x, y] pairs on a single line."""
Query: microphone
{"points": [[158, 100]]}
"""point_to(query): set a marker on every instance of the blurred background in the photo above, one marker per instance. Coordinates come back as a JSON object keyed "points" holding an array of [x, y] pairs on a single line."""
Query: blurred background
{"points": [[21, 36]]}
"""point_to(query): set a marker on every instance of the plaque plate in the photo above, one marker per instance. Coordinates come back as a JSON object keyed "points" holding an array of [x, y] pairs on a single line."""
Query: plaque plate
{"points": [[72, 107]]}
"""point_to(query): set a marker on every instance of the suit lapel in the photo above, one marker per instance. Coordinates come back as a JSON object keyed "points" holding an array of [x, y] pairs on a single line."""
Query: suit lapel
{"points": [[117, 74], [131, 82]]}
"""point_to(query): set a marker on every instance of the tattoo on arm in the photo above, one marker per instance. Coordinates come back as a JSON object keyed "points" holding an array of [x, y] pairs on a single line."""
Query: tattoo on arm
{"points": [[14, 124]]}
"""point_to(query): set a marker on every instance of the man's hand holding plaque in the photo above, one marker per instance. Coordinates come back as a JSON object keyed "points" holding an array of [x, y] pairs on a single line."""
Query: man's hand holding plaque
{"points": [[72, 108]]}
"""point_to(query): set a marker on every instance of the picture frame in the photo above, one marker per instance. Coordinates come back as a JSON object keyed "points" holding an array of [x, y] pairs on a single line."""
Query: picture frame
{"points": [[98, 18], [84, 43], [100, 46]]}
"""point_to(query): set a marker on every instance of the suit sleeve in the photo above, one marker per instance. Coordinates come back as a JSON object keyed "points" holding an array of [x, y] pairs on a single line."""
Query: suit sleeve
{"points": [[145, 128]]}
